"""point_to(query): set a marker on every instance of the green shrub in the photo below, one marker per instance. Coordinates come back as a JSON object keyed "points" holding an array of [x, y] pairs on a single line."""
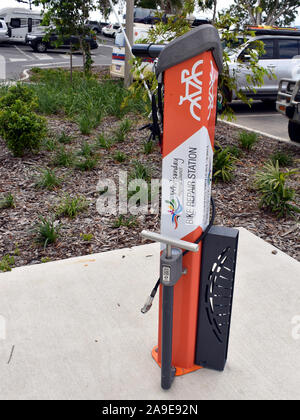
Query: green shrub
{"points": [[47, 231], [22, 130], [235, 151], [247, 140], [148, 147], [63, 158], [275, 195], [6, 263], [16, 93], [223, 166], [283, 159], [119, 156], [48, 180], [7, 202], [71, 206]]}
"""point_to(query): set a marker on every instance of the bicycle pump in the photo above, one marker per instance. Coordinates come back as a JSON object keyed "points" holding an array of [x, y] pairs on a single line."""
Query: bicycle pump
{"points": [[195, 294]]}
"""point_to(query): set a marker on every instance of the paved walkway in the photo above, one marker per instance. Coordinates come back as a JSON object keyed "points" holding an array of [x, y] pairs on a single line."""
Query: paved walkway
{"points": [[75, 331]]}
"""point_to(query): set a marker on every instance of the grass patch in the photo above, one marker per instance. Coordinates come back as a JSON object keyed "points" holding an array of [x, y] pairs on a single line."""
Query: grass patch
{"points": [[283, 159], [64, 138], [139, 171], [223, 166], [49, 144], [148, 147], [247, 140], [7, 202], [103, 142], [71, 206], [86, 237], [120, 133], [63, 158], [48, 180], [124, 221], [47, 231], [119, 157]]}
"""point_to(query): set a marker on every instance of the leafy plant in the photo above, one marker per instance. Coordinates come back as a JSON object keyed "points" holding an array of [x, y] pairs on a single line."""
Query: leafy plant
{"points": [[235, 151], [22, 130], [103, 142], [65, 138], [71, 206], [19, 92], [6, 263], [45, 260], [223, 166], [7, 202], [63, 158], [247, 140], [148, 147], [283, 159], [49, 144], [140, 171], [119, 156], [47, 231], [124, 221], [275, 195], [121, 131], [48, 180], [85, 124], [86, 150], [86, 237], [87, 164]]}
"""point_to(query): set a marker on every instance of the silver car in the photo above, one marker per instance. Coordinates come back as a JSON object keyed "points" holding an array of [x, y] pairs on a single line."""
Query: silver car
{"points": [[4, 36], [281, 57]]}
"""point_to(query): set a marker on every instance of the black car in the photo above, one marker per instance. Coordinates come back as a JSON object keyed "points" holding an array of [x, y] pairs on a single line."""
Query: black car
{"points": [[38, 42]]}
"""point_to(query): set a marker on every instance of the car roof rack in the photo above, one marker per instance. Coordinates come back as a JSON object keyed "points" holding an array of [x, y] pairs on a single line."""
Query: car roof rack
{"points": [[273, 30]]}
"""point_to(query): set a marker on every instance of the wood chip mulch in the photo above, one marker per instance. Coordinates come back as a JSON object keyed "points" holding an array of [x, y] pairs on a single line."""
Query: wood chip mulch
{"points": [[236, 202]]}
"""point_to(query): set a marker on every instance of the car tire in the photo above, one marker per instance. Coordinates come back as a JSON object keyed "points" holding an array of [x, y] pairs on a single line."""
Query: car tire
{"points": [[41, 47], [294, 131]]}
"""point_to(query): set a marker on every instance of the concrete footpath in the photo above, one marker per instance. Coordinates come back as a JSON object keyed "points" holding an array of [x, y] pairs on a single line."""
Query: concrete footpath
{"points": [[74, 330]]}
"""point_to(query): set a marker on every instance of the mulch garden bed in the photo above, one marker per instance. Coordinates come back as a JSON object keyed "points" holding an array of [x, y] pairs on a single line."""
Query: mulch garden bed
{"points": [[236, 202]]}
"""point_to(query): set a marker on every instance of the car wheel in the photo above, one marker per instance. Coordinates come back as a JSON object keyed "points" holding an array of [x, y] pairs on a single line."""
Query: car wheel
{"points": [[41, 47], [294, 131]]}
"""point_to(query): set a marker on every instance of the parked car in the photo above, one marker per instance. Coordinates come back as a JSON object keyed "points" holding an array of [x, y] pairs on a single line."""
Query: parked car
{"points": [[288, 104], [39, 44], [282, 47], [20, 21], [111, 30], [96, 26], [4, 31]]}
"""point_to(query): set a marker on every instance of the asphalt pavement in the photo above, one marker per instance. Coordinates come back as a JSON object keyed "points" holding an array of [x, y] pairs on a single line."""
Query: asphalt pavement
{"points": [[19, 57]]}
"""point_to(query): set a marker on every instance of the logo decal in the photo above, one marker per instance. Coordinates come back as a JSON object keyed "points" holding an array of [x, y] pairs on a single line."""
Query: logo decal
{"points": [[193, 89], [211, 95], [175, 209]]}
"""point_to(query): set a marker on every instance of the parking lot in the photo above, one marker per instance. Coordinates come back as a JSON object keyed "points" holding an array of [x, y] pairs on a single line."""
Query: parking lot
{"points": [[261, 117], [19, 57]]}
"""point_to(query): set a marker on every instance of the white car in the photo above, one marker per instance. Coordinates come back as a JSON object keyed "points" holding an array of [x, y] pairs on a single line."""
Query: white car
{"points": [[4, 33], [111, 30], [281, 57]]}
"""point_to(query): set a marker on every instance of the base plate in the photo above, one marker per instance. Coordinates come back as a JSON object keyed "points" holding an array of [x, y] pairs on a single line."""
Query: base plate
{"points": [[179, 370]]}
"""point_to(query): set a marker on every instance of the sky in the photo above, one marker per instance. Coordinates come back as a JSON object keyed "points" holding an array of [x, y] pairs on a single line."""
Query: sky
{"points": [[96, 15]]}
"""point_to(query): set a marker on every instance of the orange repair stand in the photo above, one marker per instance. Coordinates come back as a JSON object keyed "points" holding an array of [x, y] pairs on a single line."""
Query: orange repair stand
{"points": [[179, 370], [179, 126]]}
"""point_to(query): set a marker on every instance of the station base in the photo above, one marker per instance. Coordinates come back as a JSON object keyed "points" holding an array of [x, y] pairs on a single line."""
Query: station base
{"points": [[179, 370]]}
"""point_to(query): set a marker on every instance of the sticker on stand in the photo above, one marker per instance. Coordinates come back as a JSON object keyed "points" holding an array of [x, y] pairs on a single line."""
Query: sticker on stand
{"points": [[211, 94], [193, 89], [175, 209]]}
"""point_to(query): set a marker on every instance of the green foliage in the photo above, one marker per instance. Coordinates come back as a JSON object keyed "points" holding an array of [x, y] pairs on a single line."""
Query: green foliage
{"points": [[87, 163], [140, 171], [87, 237], [124, 221], [86, 150], [18, 92], [235, 151], [48, 180], [119, 156], [49, 144], [85, 124], [45, 260], [7, 202], [71, 206], [47, 231], [63, 157], [148, 147], [223, 166], [64, 138], [284, 159], [121, 132], [22, 130], [6, 263], [275, 195], [247, 140], [103, 142]]}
